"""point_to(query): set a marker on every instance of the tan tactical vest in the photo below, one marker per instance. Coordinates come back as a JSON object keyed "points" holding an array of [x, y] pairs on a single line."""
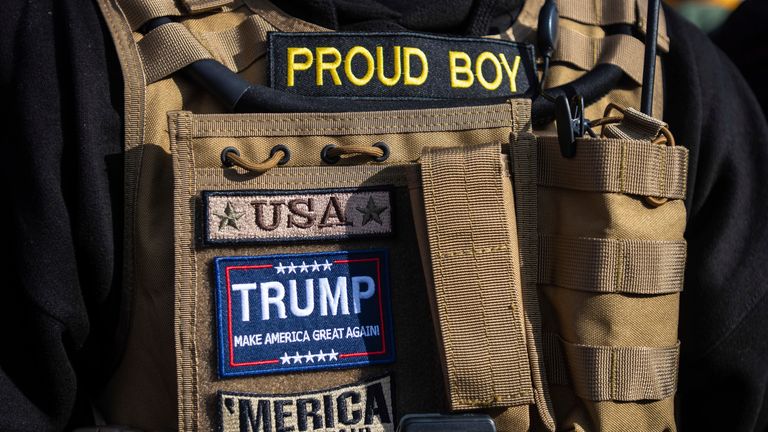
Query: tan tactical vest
{"points": [[538, 289]]}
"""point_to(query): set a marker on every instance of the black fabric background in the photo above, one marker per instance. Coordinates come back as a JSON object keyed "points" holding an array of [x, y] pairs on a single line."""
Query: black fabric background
{"points": [[62, 189], [744, 38]]}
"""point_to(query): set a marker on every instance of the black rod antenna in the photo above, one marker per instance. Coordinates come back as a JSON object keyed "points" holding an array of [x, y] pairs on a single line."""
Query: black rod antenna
{"points": [[649, 63]]}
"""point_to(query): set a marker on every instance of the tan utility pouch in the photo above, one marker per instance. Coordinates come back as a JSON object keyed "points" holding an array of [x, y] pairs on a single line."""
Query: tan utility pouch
{"points": [[611, 263], [449, 181]]}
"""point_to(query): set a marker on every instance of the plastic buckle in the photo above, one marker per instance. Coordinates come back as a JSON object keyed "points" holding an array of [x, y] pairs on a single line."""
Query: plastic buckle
{"points": [[446, 423], [571, 124]]}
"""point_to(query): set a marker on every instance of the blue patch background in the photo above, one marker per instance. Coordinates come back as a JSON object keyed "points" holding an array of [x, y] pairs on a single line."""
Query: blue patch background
{"points": [[266, 358]]}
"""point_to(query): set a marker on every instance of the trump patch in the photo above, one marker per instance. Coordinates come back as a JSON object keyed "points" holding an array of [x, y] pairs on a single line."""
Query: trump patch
{"points": [[301, 312]]}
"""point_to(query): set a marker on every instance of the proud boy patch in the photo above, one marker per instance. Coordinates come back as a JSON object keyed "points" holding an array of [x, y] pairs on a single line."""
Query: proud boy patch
{"points": [[289, 313]]}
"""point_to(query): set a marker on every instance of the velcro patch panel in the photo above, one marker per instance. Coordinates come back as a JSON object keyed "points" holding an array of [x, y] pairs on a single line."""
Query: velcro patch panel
{"points": [[270, 216], [364, 406], [289, 313], [399, 65]]}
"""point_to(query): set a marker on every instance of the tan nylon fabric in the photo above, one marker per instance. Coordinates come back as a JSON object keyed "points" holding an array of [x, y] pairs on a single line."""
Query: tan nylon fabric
{"points": [[167, 49], [142, 392], [603, 373], [479, 312], [138, 12], [610, 265], [586, 52], [195, 6], [522, 152], [577, 17], [418, 377], [611, 356], [612, 165], [638, 126], [598, 13], [239, 46]]}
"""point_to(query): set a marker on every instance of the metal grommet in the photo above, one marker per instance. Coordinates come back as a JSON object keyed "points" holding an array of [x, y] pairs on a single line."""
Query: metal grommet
{"points": [[285, 150], [385, 148], [330, 160], [225, 156]]}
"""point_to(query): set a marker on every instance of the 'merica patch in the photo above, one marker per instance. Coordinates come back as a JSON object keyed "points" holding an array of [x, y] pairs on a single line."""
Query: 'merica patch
{"points": [[363, 407], [288, 313], [399, 65], [282, 216]]}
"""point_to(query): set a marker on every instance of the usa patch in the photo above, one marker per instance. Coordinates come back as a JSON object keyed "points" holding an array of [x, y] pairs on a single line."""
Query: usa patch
{"points": [[291, 313], [374, 65], [365, 406], [274, 216]]}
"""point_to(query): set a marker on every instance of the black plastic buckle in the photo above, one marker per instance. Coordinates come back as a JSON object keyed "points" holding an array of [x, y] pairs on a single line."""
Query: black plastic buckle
{"points": [[446, 423], [571, 124]]}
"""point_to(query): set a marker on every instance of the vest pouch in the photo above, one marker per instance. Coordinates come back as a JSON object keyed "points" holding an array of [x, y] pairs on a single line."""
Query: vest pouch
{"points": [[300, 294], [611, 263]]}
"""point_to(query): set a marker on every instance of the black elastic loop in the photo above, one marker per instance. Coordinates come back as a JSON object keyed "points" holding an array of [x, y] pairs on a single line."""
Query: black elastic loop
{"points": [[330, 160], [225, 156], [385, 148], [285, 150]]}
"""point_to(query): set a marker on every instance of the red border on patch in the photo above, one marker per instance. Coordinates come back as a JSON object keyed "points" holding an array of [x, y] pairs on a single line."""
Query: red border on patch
{"points": [[275, 361]]}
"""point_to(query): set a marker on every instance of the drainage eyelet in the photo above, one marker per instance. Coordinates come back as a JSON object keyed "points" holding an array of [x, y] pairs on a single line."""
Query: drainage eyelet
{"points": [[225, 156], [285, 150], [330, 160], [385, 148]]}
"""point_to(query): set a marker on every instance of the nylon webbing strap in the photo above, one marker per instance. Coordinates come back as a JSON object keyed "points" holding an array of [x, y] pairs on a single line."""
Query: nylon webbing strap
{"points": [[239, 46], [608, 12], [196, 6], [609, 265], [611, 165], [475, 298], [138, 12], [600, 373], [585, 52], [634, 125], [167, 49]]}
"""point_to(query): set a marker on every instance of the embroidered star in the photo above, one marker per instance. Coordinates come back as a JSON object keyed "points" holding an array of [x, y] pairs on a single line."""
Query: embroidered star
{"points": [[280, 268], [333, 355], [286, 359], [371, 212], [315, 266], [326, 265], [303, 267], [309, 358], [229, 218], [297, 358], [321, 356], [292, 268]]}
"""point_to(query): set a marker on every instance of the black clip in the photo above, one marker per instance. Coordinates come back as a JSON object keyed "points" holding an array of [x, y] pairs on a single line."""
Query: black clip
{"points": [[571, 123], [446, 423]]}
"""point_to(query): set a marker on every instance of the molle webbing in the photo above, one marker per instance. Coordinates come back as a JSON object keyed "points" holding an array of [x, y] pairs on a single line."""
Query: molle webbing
{"points": [[477, 303], [611, 265], [612, 165], [598, 13], [601, 373], [172, 46], [167, 49], [138, 12], [588, 37], [586, 52]]}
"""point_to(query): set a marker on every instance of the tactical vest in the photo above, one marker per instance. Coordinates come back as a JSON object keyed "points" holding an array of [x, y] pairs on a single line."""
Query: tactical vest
{"points": [[469, 268]]}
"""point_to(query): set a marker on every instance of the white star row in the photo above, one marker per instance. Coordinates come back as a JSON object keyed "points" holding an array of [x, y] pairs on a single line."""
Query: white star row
{"points": [[309, 357], [303, 268]]}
